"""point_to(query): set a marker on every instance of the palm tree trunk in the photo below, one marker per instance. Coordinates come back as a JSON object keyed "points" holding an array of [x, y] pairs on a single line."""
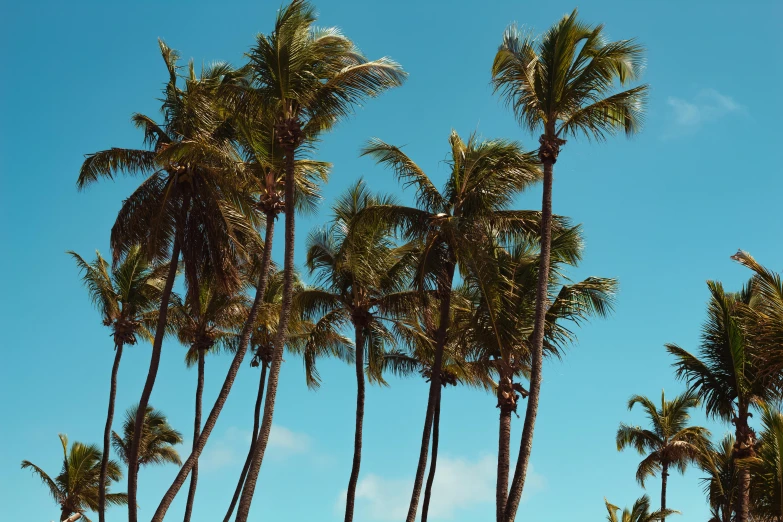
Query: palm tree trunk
{"points": [[504, 461], [435, 387], [743, 499], [357, 436], [280, 339], [246, 467], [107, 434], [160, 331], [425, 506], [664, 480], [196, 433], [244, 337], [526, 444]]}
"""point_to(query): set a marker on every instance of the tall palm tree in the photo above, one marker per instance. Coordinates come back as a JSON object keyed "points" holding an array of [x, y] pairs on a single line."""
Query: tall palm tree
{"points": [[502, 283], [640, 512], [312, 77], [562, 84], [766, 468], [722, 482], [157, 442], [206, 322], [311, 341], [126, 296], [264, 161], [75, 489], [484, 177], [363, 278], [671, 443], [192, 202], [726, 376]]}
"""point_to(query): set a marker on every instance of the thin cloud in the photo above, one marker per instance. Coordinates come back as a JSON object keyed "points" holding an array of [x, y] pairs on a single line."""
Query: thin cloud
{"points": [[459, 484], [706, 107], [231, 447]]}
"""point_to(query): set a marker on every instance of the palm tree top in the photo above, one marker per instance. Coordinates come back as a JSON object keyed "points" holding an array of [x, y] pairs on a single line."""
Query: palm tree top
{"points": [[640, 512], [158, 438], [563, 82]]}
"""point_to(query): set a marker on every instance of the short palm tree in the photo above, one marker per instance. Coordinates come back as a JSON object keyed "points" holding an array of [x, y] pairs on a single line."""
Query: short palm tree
{"points": [[766, 468], [640, 512], [363, 280], [562, 84], [127, 295], [311, 341], [157, 442], [501, 287], [312, 78], [75, 489], [726, 375], [206, 322], [484, 178], [722, 481], [671, 443], [193, 201]]}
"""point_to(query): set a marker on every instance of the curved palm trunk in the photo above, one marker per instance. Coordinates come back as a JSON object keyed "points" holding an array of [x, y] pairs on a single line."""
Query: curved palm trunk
{"points": [[196, 433], [160, 331], [66, 516], [425, 506], [282, 331], [246, 467], [107, 435], [435, 389], [548, 156], [504, 461], [664, 480], [357, 437], [244, 337]]}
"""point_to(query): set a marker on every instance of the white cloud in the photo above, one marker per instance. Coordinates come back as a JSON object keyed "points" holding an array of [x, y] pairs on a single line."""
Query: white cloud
{"points": [[231, 447], [459, 484], [707, 106]]}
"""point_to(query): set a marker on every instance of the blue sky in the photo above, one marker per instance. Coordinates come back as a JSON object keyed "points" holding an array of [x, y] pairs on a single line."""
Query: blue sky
{"points": [[662, 212]]}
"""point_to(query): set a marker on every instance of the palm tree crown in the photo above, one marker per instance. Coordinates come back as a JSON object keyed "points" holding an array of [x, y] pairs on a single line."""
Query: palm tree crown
{"points": [[158, 439], [640, 512], [75, 489]]}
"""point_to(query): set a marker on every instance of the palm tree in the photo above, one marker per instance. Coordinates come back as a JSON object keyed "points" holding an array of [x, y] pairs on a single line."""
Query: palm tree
{"points": [[483, 180], [309, 340], [766, 468], [670, 442], [206, 323], [502, 286], [75, 489], [126, 295], [157, 442], [312, 77], [640, 512], [721, 484], [363, 278], [192, 202], [725, 376], [562, 84]]}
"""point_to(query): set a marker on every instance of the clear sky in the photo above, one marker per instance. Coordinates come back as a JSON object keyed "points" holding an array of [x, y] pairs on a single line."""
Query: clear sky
{"points": [[662, 212]]}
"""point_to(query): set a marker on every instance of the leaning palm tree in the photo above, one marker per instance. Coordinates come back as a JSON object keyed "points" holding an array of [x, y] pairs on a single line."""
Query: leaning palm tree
{"points": [[671, 443], [157, 442], [75, 489], [726, 375], [640, 512], [126, 295], [312, 78], [363, 282], [562, 84], [206, 322], [766, 468], [193, 201], [484, 178], [721, 483]]}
